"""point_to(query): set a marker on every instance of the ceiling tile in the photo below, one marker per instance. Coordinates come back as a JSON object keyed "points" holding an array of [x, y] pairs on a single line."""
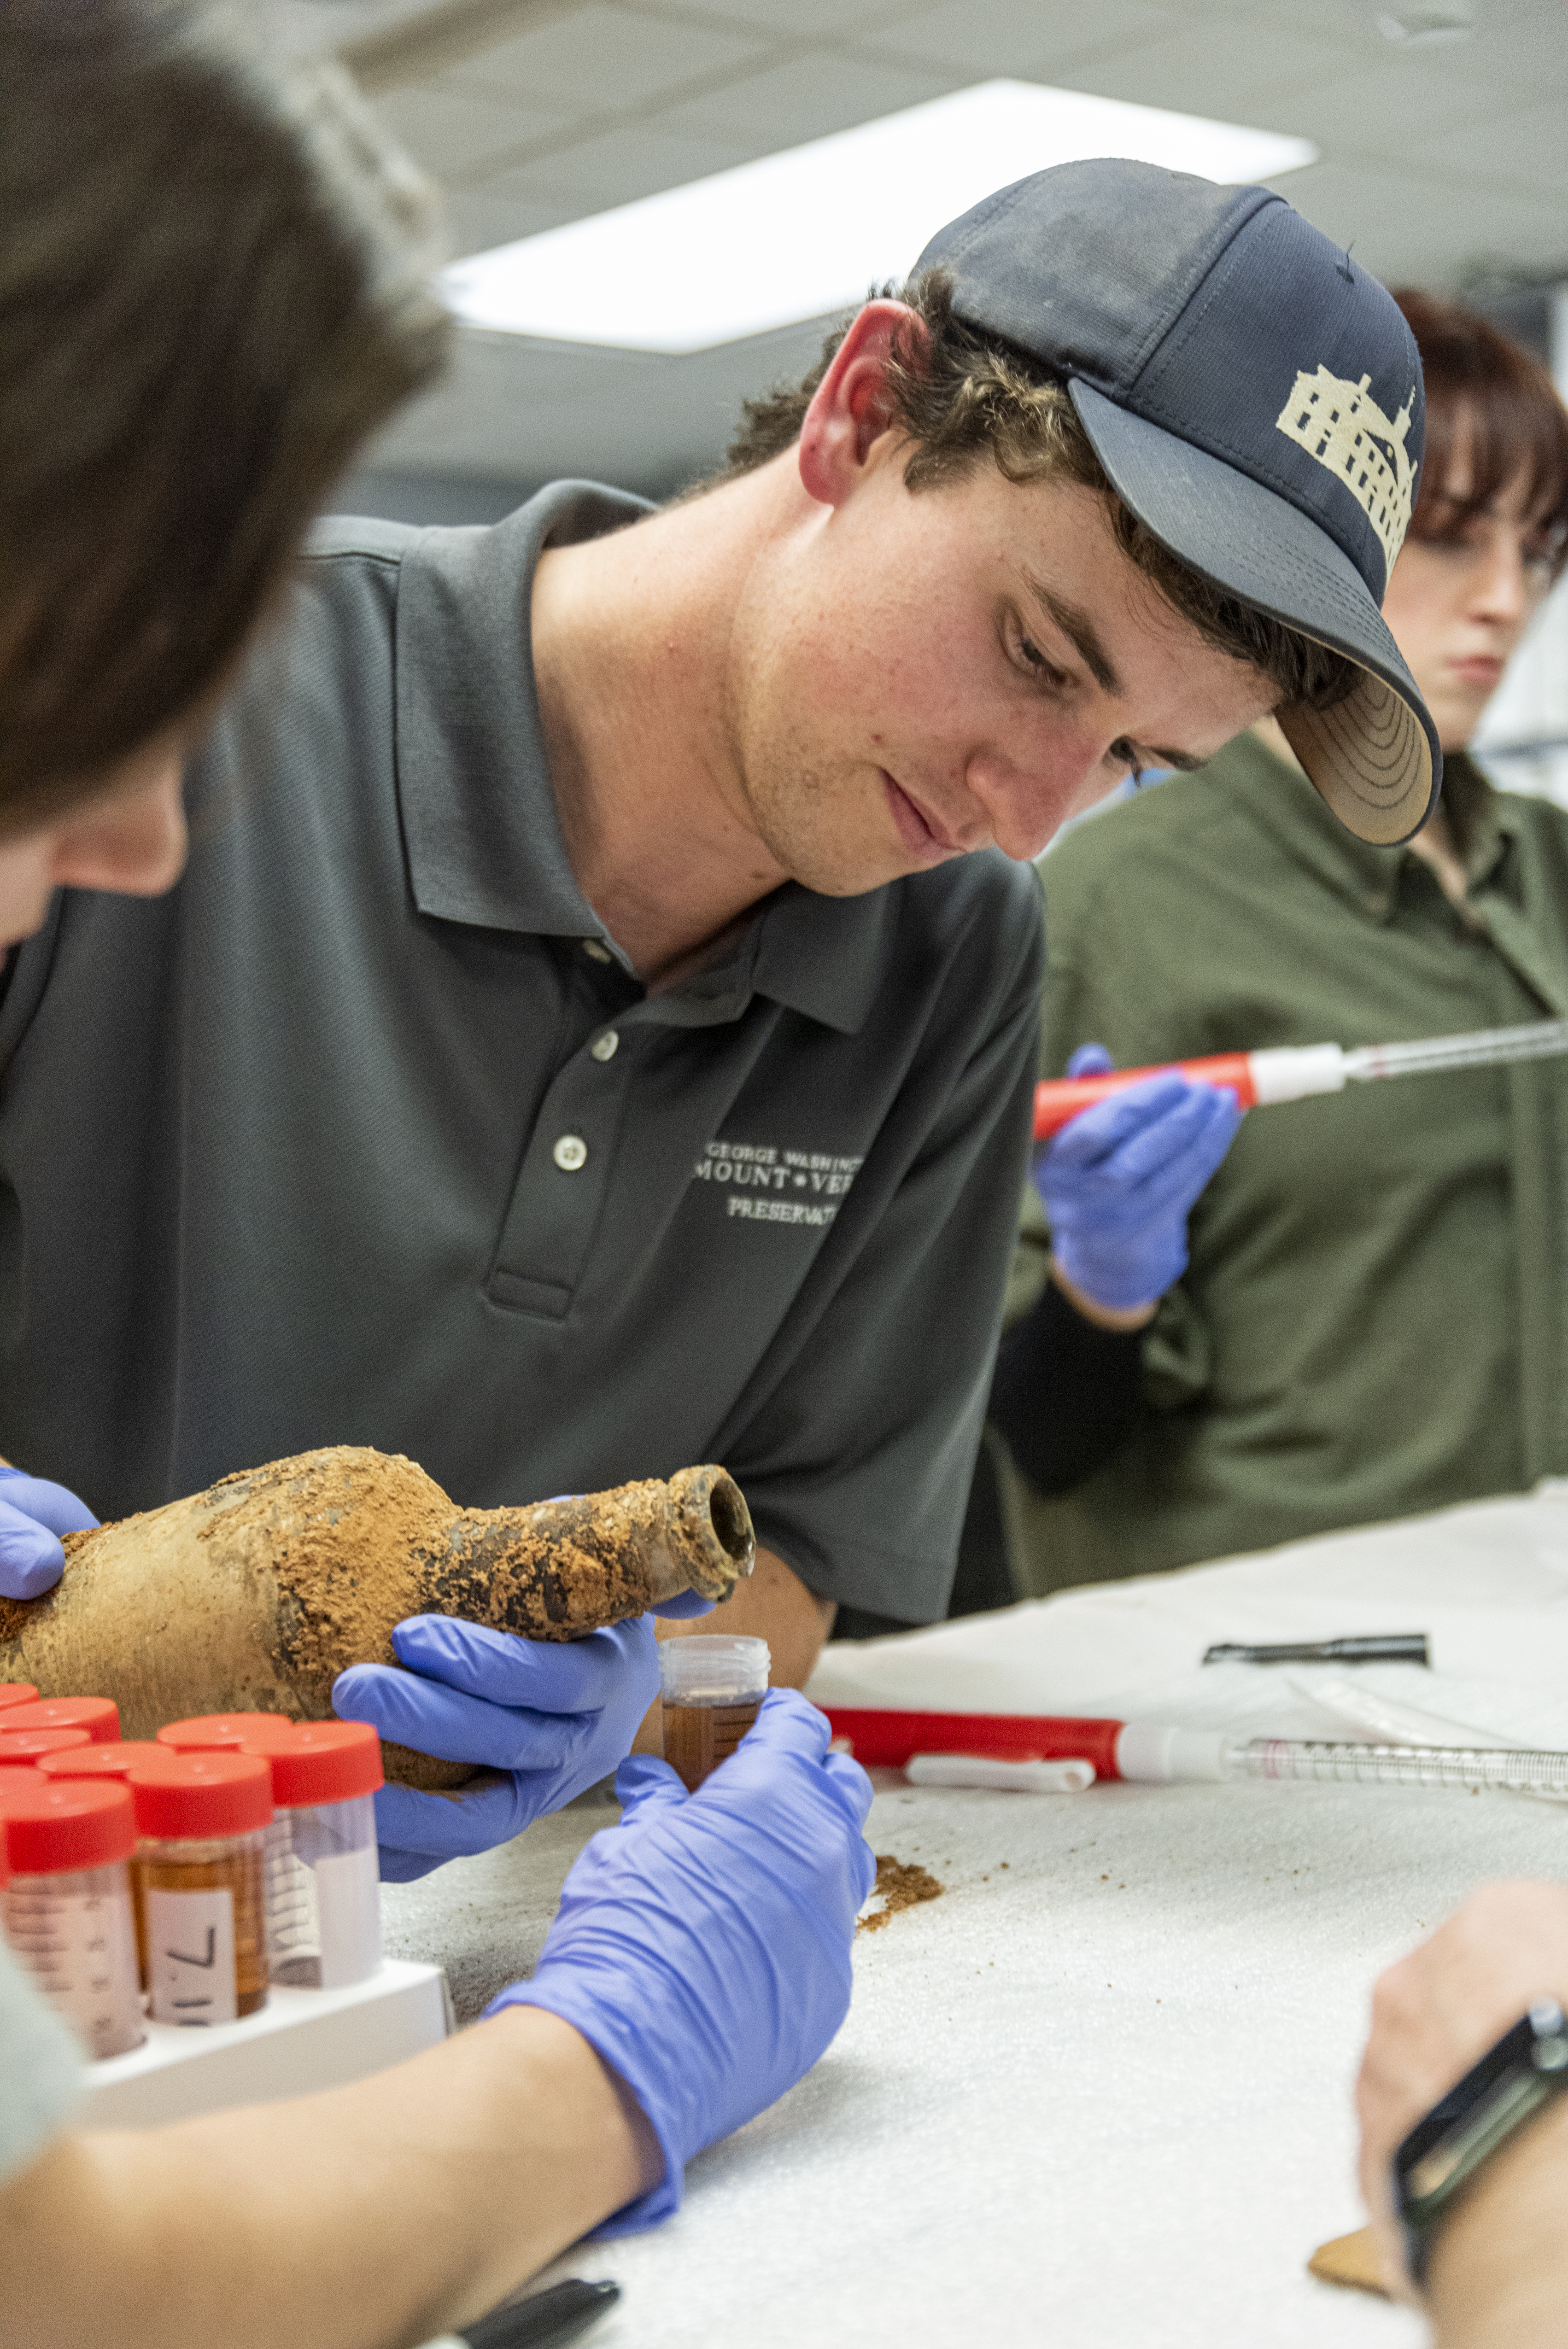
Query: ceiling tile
{"points": [[1342, 24], [1526, 150], [1206, 66], [597, 58], [1016, 37], [296, 28], [790, 19], [1380, 110], [1523, 47], [616, 168], [1428, 231], [455, 137], [809, 97], [511, 408], [478, 219]]}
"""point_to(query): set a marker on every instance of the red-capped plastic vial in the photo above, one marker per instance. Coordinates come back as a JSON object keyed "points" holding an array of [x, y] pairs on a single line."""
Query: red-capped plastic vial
{"points": [[102, 1762], [17, 1693], [323, 1881], [27, 1744], [202, 1821], [217, 1732], [99, 1715], [68, 1905]]}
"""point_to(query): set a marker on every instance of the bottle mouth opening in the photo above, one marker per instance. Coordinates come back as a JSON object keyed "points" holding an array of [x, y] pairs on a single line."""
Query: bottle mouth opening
{"points": [[731, 1519]]}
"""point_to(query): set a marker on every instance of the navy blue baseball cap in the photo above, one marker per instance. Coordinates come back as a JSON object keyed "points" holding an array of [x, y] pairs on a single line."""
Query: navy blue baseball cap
{"points": [[1255, 398]]}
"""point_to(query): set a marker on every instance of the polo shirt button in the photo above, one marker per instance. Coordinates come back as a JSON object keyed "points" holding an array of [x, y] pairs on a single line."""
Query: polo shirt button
{"points": [[570, 1153], [603, 1048], [594, 951]]}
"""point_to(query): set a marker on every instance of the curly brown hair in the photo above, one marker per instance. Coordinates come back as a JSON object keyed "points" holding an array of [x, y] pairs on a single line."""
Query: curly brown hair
{"points": [[959, 397]]}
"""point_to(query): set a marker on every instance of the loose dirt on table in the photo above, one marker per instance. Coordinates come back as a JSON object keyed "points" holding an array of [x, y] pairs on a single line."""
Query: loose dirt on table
{"points": [[902, 1886]]}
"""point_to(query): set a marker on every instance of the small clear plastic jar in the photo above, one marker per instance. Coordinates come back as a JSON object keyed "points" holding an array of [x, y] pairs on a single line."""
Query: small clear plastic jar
{"points": [[202, 1822], [68, 1907], [323, 1874], [97, 1715], [712, 1689]]}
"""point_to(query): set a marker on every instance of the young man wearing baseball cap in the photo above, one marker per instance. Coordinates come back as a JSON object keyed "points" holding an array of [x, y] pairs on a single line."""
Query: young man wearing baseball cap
{"points": [[593, 1033]]}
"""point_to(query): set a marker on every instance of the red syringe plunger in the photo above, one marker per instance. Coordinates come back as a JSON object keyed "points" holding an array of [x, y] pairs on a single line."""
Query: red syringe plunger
{"points": [[1280, 1073]]}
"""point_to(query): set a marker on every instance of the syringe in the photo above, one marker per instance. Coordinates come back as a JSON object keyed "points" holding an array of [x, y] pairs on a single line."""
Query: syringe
{"points": [[1152, 1755], [1288, 1072], [1194, 1754]]}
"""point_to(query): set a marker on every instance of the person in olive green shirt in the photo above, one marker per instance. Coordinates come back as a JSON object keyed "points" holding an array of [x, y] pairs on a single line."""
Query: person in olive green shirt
{"points": [[1373, 1316]]}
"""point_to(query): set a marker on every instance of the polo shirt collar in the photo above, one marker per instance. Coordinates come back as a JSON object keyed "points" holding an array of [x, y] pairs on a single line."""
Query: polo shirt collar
{"points": [[1494, 826], [482, 837], [480, 826], [824, 956], [1366, 875]]}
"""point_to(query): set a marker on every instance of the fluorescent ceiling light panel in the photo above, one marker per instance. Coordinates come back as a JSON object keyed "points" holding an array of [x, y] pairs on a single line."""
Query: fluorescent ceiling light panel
{"points": [[798, 235]]}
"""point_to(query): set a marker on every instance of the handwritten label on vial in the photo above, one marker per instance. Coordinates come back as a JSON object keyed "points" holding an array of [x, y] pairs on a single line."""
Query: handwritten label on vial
{"points": [[191, 1976], [322, 1908]]}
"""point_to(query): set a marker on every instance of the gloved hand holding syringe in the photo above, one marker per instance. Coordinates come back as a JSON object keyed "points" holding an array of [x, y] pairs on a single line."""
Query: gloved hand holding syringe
{"points": [[1291, 1071], [934, 1748]]}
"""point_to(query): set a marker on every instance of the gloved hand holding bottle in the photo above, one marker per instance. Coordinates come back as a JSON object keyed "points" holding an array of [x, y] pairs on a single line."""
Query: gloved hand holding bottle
{"points": [[702, 1945], [1119, 1182], [550, 1719], [34, 1514]]}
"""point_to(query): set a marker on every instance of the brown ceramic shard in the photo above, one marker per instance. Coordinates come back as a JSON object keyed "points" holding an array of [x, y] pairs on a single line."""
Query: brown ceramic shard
{"points": [[256, 1594]]}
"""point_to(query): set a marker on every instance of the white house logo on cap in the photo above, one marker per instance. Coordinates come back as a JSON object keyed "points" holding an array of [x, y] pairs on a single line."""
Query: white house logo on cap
{"points": [[1342, 426]]}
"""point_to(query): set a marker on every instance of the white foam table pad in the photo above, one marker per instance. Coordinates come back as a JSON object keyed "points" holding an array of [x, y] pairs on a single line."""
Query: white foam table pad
{"points": [[1099, 2095]]}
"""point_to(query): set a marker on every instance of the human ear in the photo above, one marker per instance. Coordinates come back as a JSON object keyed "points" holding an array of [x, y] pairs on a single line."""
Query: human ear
{"points": [[852, 408]]}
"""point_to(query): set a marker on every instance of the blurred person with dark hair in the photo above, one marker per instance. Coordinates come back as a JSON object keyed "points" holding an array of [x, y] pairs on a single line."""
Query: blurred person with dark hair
{"points": [[212, 283], [1361, 1315]]}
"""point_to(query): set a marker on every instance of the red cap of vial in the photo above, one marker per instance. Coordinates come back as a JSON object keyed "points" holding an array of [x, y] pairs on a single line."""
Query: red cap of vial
{"points": [[99, 1715], [202, 1794], [102, 1762], [52, 1828], [17, 1693], [13, 1774], [214, 1732], [26, 1744], [319, 1761]]}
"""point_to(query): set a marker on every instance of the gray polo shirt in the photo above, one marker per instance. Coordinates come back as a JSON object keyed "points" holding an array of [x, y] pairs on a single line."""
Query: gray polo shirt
{"points": [[368, 1134]]}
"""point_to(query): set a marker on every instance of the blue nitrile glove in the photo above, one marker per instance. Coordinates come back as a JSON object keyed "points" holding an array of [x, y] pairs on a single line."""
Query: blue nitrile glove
{"points": [[1119, 1181], [34, 1514], [702, 1946], [552, 1719]]}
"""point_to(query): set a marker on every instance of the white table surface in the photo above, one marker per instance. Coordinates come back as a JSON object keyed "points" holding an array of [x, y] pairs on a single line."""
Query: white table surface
{"points": [[1099, 2095]]}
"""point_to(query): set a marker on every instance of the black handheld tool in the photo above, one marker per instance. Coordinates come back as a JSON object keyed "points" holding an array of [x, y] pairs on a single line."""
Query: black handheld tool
{"points": [[1389, 1648], [547, 2321]]}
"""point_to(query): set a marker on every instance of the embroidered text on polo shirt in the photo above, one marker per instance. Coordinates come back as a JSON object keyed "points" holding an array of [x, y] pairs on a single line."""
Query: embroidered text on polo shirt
{"points": [[765, 1167]]}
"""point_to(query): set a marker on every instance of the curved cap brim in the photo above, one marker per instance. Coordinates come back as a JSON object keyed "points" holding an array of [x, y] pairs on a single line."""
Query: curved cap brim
{"points": [[1373, 757]]}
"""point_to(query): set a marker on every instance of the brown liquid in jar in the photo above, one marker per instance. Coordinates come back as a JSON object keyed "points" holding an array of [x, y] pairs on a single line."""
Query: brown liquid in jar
{"points": [[698, 1737], [240, 1872]]}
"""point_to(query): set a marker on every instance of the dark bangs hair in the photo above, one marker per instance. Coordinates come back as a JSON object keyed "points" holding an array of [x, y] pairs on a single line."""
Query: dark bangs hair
{"points": [[1495, 401], [214, 280]]}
